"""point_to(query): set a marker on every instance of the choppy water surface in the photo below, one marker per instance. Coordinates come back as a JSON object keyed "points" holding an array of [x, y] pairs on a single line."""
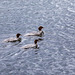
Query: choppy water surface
{"points": [[56, 53]]}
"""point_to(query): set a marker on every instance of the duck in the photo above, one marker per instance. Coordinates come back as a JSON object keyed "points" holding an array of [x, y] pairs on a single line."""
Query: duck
{"points": [[12, 39], [37, 33], [31, 45]]}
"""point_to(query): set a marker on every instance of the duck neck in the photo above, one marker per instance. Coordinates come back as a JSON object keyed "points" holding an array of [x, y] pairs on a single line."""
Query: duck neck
{"points": [[17, 36], [35, 43], [36, 46], [40, 29], [19, 39]]}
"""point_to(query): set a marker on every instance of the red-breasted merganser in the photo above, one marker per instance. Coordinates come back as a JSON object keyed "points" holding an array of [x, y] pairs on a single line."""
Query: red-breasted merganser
{"points": [[14, 39], [31, 45], [37, 33]]}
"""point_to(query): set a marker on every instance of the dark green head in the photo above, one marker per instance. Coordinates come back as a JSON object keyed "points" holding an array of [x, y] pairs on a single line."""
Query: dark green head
{"points": [[18, 34], [36, 41], [40, 28]]}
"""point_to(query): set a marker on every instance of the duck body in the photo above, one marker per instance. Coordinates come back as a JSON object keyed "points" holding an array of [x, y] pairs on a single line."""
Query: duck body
{"points": [[30, 45], [39, 33], [12, 39], [36, 33]]}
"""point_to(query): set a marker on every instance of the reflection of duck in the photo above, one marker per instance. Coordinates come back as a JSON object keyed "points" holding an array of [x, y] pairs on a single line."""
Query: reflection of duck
{"points": [[31, 45], [38, 33], [13, 39]]}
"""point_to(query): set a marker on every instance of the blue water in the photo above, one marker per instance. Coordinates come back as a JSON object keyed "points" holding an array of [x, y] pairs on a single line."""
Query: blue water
{"points": [[56, 53]]}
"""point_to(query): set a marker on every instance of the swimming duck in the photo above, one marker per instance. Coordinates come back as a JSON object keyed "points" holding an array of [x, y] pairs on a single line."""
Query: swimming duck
{"points": [[31, 45], [37, 33], [14, 39]]}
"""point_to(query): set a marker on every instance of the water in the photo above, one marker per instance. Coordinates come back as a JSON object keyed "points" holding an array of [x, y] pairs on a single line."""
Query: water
{"points": [[56, 53]]}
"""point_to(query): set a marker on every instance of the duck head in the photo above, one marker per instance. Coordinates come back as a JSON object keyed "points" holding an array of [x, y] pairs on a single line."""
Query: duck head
{"points": [[40, 28], [18, 34], [36, 41]]}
